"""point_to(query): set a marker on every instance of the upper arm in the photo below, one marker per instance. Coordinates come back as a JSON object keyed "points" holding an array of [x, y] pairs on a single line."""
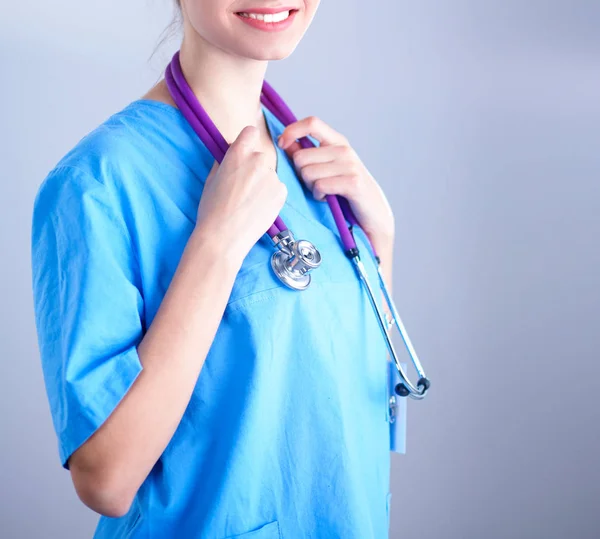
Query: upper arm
{"points": [[87, 302]]}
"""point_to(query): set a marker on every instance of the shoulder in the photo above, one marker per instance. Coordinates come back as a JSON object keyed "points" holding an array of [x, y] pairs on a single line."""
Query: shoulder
{"points": [[104, 162]]}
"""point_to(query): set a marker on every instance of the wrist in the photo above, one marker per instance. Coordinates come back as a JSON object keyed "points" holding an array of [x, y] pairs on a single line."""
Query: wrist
{"points": [[382, 243], [382, 235], [206, 243]]}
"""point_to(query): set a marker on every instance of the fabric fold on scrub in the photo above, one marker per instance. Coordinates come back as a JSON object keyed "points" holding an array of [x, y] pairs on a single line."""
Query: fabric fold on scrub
{"points": [[286, 433]]}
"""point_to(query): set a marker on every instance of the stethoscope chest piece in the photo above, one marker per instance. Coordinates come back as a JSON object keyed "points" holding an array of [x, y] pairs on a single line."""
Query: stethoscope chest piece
{"points": [[294, 260]]}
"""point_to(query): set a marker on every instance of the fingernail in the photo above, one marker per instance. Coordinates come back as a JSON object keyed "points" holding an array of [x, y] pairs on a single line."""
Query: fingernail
{"points": [[280, 141]]}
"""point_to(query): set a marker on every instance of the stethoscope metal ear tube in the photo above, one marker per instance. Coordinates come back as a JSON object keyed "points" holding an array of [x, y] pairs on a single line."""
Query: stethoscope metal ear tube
{"points": [[405, 388], [293, 259]]}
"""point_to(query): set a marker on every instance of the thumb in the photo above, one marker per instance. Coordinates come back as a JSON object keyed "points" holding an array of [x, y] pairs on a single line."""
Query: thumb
{"points": [[293, 148]]}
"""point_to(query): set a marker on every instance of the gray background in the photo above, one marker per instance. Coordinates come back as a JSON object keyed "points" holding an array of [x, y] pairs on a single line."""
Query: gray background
{"points": [[481, 121]]}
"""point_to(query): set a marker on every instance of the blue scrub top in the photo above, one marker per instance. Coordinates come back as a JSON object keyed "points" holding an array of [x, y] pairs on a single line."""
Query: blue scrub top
{"points": [[286, 434]]}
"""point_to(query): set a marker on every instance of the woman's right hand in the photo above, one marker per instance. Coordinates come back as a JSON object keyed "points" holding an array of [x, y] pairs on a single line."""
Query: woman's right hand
{"points": [[242, 196]]}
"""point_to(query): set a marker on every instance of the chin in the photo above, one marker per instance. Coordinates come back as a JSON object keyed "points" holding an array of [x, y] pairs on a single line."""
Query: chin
{"points": [[280, 55], [278, 52]]}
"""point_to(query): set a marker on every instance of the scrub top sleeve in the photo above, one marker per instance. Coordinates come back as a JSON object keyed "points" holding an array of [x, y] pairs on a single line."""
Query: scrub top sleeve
{"points": [[87, 302]]}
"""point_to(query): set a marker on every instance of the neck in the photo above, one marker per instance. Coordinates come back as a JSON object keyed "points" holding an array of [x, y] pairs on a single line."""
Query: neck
{"points": [[227, 86]]}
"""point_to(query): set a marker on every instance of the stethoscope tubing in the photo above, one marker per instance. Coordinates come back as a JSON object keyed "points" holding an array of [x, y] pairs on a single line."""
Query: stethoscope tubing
{"points": [[340, 208]]}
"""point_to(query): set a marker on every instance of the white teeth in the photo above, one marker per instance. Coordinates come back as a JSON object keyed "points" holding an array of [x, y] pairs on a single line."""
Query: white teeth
{"points": [[275, 17]]}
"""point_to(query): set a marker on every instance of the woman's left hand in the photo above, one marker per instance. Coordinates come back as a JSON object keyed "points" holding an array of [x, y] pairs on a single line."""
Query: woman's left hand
{"points": [[334, 168]]}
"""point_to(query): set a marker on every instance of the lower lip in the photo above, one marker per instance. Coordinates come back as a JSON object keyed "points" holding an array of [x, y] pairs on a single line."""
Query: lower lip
{"points": [[269, 26]]}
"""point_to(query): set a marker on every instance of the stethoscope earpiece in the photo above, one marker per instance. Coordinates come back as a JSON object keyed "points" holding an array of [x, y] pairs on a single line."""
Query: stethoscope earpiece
{"points": [[402, 390], [405, 388], [294, 260]]}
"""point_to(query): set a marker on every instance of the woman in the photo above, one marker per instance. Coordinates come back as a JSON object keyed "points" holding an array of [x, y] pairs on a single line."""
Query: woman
{"points": [[194, 395]]}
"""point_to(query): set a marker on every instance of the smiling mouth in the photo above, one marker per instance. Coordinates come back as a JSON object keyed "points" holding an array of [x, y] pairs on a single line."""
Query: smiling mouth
{"points": [[272, 18]]}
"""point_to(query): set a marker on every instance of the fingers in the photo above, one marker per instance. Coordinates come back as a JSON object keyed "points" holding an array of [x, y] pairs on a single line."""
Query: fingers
{"points": [[311, 173], [293, 148], [333, 185], [260, 160], [313, 126], [247, 141], [323, 154], [243, 148]]}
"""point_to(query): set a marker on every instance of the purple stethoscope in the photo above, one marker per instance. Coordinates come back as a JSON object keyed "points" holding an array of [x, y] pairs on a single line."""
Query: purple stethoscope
{"points": [[293, 260]]}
